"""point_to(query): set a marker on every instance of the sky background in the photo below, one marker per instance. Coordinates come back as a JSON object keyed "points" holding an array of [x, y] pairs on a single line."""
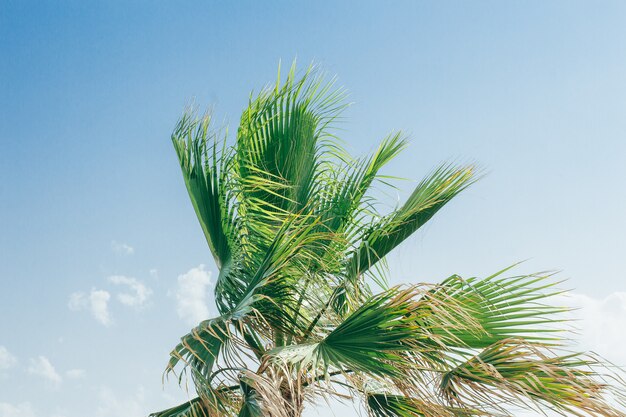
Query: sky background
{"points": [[103, 265]]}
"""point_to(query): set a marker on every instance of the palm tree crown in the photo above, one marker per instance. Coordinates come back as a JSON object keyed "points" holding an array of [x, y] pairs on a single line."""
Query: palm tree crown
{"points": [[300, 245]]}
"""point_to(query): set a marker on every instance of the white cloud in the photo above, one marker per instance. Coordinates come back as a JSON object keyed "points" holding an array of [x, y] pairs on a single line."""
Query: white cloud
{"points": [[42, 367], [140, 290], [78, 301], [191, 295], [600, 324], [97, 302], [75, 373], [122, 248], [113, 406], [19, 410], [7, 360]]}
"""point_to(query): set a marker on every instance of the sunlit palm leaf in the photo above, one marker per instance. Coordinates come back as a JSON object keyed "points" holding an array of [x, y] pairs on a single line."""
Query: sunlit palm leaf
{"points": [[279, 141], [428, 198], [501, 307], [514, 370], [374, 339]]}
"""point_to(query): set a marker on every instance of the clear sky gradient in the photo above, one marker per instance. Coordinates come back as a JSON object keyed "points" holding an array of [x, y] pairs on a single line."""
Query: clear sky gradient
{"points": [[100, 249]]}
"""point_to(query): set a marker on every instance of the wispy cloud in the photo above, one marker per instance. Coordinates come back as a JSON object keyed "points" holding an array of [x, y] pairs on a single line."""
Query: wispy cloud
{"points": [[112, 405], [75, 373], [19, 410], [7, 360], [140, 295], [122, 248], [600, 323], [97, 302], [191, 295], [42, 367]]}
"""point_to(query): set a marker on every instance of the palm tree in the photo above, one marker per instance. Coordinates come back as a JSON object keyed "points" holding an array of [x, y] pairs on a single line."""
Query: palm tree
{"points": [[305, 312]]}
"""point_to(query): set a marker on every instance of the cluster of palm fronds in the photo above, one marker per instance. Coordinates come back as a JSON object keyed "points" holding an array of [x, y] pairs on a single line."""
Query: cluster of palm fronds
{"points": [[291, 222]]}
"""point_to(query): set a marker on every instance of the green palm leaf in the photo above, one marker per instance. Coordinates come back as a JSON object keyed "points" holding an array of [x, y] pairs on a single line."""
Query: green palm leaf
{"points": [[279, 142], [501, 308], [389, 405], [434, 192], [205, 174], [193, 408], [375, 339], [251, 402]]}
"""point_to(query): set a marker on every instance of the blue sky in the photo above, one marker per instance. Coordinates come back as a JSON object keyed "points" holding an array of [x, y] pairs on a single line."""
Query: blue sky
{"points": [[100, 252]]}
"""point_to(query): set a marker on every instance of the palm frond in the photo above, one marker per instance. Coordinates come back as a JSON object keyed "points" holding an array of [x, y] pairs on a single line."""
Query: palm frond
{"points": [[374, 339], [390, 405], [251, 406], [279, 140], [500, 308], [518, 371], [343, 201], [192, 408], [428, 198], [205, 172], [200, 348], [271, 280]]}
